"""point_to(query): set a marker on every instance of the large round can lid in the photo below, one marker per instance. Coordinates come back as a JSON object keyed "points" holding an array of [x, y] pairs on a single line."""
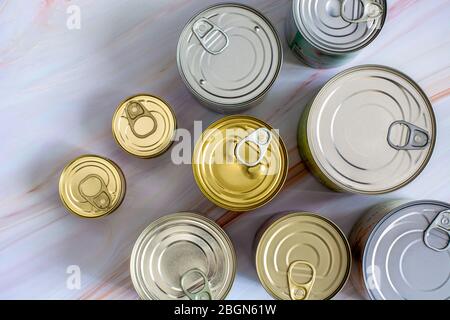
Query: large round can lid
{"points": [[229, 55], [407, 255], [371, 130], [303, 256], [240, 163], [144, 126], [92, 186], [339, 26], [183, 257]]}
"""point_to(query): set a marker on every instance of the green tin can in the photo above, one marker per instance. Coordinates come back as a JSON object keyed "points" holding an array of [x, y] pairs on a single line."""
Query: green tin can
{"points": [[328, 33]]}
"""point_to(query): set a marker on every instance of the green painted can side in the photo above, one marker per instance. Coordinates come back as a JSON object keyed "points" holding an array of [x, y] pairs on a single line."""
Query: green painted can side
{"points": [[306, 154]]}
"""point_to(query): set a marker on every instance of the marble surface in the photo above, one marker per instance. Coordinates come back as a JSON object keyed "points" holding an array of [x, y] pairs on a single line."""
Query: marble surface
{"points": [[59, 88]]}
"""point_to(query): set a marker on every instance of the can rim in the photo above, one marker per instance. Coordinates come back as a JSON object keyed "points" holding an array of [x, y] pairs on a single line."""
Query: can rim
{"points": [[307, 214], [248, 208], [190, 215], [122, 180], [427, 103], [380, 223], [234, 106], [334, 52], [171, 138]]}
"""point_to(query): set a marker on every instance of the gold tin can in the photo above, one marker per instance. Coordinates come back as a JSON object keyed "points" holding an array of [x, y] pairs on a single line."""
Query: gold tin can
{"points": [[302, 256], [91, 186], [183, 256], [240, 163], [144, 126]]}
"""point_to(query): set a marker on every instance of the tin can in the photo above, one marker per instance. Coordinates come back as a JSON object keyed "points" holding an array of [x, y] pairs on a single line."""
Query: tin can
{"points": [[302, 256], [369, 130], [240, 163], [329, 33], [402, 251], [144, 126], [91, 186], [183, 257], [229, 56]]}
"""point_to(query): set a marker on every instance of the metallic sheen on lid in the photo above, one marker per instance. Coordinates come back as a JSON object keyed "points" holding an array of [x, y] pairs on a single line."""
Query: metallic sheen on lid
{"points": [[183, 257], [339, 26], [92, 186], [236, 171], [370, 130], [144, 126], [407, 255], [302, 256], [229, 56]]}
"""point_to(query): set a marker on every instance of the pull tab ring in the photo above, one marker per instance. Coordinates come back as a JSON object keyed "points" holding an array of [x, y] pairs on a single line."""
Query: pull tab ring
{"points": [[300, 291], [135, 111], [441, 223], [418, 138], [372, 11], [262, 138], [102, 199], [209, 34], [204, 294]]}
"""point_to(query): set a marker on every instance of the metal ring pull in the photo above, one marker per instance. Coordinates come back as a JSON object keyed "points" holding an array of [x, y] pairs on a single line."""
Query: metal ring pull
{"points": [[300, 291], [262, 138], [441, 223], [203, 294], [209, 35], [135, 111], [372, 11], [418, 138], [102, 199]]}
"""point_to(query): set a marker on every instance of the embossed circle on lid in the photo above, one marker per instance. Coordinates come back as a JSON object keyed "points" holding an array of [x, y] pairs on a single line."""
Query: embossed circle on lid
{"points": [[183, 256], [321, 22], [229, 55], [371, 130], [144, 126]]}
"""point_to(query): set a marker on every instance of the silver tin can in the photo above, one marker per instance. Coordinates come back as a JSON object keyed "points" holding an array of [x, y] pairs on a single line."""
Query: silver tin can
{"points": [[328, 33], [183, 257], [401, 251], [229, 56], [370, 130]]}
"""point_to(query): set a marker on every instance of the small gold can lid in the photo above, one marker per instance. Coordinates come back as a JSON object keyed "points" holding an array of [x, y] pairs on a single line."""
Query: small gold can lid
{"points": [[92, 186], [240, 163], [144, 126]]}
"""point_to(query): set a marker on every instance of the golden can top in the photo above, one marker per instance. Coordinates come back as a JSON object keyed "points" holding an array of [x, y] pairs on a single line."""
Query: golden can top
{"points": [[144, 126], [303, 256], [183, 256], [92, 186], [240, 163]]}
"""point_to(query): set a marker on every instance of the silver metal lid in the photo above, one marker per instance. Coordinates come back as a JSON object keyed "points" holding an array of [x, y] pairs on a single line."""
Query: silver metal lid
{"points": [[229, 55], [339, 26], [183, 256], [408, 254], [371, 130]]}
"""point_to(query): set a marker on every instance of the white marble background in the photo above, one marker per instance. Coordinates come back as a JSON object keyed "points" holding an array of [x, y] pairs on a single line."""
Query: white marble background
{"points": [[60, 87]]}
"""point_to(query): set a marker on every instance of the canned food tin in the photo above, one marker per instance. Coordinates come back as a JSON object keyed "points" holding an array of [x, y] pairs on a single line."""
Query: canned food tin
{"points": [[328, 33], [302, 256], [144, 126], [402, 251], [370, 130], [92, 186], [183, 257], [229, 56], [240, 163]]}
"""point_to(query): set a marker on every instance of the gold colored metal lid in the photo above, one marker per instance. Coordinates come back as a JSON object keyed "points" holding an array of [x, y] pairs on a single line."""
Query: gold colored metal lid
{"points": [[303, 256], [240, 163], [92, 186], [144, 126], [183, 256]]}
